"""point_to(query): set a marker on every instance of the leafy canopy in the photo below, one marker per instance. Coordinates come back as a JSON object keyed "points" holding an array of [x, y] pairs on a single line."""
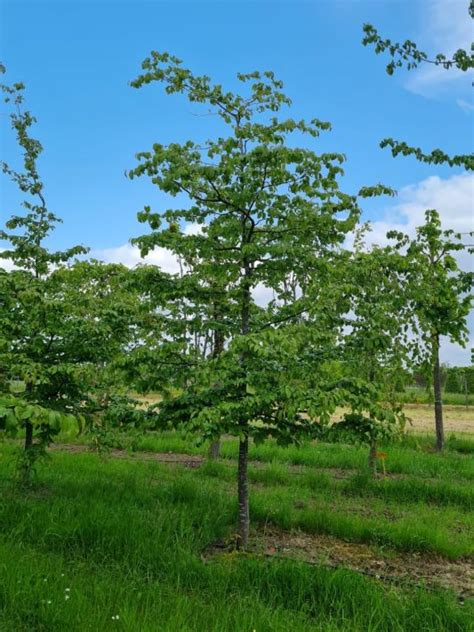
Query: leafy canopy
{"points": [[266, 207]]}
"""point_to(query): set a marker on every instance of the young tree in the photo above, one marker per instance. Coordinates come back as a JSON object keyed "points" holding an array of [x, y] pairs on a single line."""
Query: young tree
{"points": [[437, 244], [59, 325], [27, 251], [377, 347], [439, 296], [266, 207]]}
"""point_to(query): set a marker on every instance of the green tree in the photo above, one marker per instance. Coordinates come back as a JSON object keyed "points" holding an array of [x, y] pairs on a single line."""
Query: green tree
{"points": [[460, 379], [378, 347], [59, 325], [439, 294], [453, 380], [266, 207], [26, 252]]}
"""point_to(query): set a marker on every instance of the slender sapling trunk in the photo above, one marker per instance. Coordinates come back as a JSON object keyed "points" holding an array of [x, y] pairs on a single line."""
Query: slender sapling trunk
{"points": [[214, 450], [438, 402], [373, 457], [217, 348], [28, 435], [243, 494], [242, 474]]}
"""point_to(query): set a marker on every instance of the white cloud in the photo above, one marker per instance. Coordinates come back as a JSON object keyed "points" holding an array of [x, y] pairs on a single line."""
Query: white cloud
{"points": [[262, 294], [452, 197], [465, 105], [6, 264], [193, 229], [446, 27], [130, 255]]}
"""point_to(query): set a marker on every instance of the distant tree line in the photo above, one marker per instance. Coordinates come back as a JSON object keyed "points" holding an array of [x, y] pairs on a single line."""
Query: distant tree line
{"points": [[454, 379]]}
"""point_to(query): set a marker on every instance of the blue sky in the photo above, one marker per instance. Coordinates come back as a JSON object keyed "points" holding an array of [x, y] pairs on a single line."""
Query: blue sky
{"points": [[77, 57]]}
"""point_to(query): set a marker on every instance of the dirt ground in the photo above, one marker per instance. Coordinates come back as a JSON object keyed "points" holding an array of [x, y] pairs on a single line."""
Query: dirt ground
{"points": [[456, 418], [400, 568], [171, 458]]}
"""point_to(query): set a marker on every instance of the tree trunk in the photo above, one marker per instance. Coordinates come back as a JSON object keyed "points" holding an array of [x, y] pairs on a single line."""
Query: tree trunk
{"points": [[465, 389], [242, 474], [214, 450], [373, 440], [243, 495], [373, 457], [28, 435], [438, 402], [217, 348]]}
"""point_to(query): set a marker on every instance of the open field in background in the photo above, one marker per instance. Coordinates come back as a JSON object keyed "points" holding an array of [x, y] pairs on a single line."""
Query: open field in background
{"points": [[145, 533], [457, 418], [417, 395]]}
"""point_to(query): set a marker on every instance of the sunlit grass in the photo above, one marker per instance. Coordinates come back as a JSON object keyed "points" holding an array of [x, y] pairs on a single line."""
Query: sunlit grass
{"points": [[126, 538]]}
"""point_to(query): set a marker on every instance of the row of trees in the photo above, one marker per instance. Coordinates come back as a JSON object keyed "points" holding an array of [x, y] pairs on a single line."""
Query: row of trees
{"points": [[342, 323], [454, 379], [459, 379]]}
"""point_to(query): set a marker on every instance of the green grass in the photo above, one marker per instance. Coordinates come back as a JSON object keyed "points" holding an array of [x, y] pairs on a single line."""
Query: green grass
{"points": [[463, 444], [455, 442], [407, 515], [417, 395], [412, 457], [126, 537]]}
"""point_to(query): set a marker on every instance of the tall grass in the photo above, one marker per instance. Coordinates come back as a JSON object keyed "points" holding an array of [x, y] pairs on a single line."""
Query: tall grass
{"points": [[411, 456], [99, 539]]}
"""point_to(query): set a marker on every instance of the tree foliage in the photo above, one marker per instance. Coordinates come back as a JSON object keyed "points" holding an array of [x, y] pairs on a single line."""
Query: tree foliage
{"points": [[407, 55], [60, 325], [439, 295], [266, 208]]}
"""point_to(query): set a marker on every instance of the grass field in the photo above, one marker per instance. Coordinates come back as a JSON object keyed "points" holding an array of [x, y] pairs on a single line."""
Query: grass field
{"points": [[417, 395], [457, 419], [141, 540]]}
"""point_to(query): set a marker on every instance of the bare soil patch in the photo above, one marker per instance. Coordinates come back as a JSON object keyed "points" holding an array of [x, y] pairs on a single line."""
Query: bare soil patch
{"points": [[188, 460], [389, 566]]}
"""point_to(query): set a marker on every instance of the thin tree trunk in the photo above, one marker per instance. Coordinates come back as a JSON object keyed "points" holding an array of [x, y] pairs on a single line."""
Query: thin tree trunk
{"points": [[242, 475], [373, 440], [465, 388], [243, 494], [28, 435], [373, 457], [438, 402], [214, 450], [217, 348]]}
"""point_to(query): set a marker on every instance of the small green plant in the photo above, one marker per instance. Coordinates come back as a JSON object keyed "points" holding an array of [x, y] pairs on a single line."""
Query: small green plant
{"points": [[39, 426]]}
